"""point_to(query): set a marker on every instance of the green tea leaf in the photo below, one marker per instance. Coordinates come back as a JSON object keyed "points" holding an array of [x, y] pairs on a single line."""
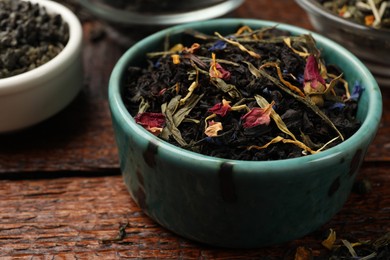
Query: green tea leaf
{"points": [[143, 106], [181, 113], [171, 129], [227, 88]]}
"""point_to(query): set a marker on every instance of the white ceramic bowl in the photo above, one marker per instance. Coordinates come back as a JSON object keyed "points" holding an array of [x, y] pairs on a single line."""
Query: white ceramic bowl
{"points": [[31, 97]]}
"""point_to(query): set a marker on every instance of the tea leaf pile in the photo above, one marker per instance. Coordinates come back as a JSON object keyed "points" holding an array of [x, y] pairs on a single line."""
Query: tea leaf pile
{"points": [[252, 95], [29, 36]]}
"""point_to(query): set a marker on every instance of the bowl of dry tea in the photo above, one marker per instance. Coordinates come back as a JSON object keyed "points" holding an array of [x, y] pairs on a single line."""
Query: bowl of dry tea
{"points": [[241, 133], [361, 26], [40, 61]]}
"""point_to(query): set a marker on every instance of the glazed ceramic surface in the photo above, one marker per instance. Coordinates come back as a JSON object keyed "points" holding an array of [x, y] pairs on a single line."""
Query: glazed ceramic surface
{"points": [[29, 98], [239, 203], [372, 46]]}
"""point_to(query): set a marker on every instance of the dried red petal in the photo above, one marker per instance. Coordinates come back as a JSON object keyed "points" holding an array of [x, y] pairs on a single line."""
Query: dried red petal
{"points": [[257, 116], [153, 122], [220, 72], [217, 71], [220, 109], [312, 74], [161, 92]]}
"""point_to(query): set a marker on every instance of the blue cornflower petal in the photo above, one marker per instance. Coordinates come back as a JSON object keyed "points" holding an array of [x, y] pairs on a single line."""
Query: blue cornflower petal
{"points": [[356, 91], [219, 45], [337, 105]]}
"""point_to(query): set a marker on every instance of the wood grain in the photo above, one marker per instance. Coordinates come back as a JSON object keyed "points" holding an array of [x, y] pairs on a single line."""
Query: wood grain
{"points": [[81, 138], [62, 196], [71, 217]]}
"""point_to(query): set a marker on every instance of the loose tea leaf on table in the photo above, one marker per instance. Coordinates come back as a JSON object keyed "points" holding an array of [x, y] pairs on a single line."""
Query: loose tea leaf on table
{"points": [[355, 249], [252, 95], [29, 36]]}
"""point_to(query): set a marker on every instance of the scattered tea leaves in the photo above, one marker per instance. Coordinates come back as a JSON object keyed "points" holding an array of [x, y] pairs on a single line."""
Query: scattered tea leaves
{"points": [[121, 235], [378, 249]]}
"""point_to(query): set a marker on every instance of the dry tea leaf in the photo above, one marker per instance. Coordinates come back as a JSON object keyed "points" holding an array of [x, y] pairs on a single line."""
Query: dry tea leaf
{"points": [[242, 96]]}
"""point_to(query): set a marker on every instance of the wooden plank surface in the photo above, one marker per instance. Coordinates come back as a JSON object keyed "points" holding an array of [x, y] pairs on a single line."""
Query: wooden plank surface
{"points": [[81, 137], [72, 217], [62, 196]]}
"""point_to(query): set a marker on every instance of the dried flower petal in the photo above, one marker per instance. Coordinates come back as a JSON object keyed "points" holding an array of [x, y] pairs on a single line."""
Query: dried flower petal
{"points": [[221, 108], [262, 102], [177, 48], [193, 48], [288, 42], [218, 45], [314, 83], [330, 240], [369, 20], [280, 75], [356, 92], [153, 122], [303, 253], [217, 71], [257, 116], [175, 58], [239, 45], [313, 80], [337, 106], [213, 128], [162, 91]]}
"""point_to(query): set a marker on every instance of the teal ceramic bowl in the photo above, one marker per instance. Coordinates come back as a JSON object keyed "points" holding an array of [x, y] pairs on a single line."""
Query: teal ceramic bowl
{"points": [[239, 204]]}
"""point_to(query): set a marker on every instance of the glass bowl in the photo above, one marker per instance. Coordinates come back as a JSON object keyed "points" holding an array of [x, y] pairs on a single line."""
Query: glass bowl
{"points": [[159, 12], [370, 45]]}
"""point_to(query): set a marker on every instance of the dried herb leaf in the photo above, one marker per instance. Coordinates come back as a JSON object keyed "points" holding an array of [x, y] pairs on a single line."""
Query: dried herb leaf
{"points": [[227, 88], [171, 129], [262, 102], [239, 45], [181, 113], [286, 141]]}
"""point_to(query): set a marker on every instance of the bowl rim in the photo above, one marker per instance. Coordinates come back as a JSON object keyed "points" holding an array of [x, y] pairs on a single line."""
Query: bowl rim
{"points": [[133, 18], [316, 8], [21, 82], [120, 113]]}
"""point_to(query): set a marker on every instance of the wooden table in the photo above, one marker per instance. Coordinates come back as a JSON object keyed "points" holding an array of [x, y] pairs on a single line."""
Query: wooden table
{"points": [[62, 195]]}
